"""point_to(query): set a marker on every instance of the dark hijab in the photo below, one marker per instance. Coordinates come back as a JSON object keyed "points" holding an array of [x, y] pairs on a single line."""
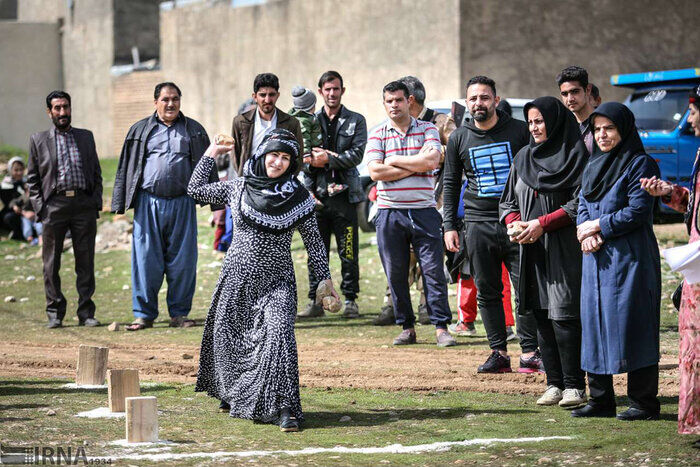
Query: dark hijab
{"points": [[274, 204], [606, 168], [557, 163]]}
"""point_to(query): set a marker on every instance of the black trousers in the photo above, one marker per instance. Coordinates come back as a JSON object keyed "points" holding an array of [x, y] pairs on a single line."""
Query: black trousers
{"points": [[338, 217], [397, 231], [560, 345], [13, 222], [487, 246], [77, 214], [642, 389]]}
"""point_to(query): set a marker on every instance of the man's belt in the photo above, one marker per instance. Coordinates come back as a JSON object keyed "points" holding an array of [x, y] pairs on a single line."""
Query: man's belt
{"points": [[69, 193]]}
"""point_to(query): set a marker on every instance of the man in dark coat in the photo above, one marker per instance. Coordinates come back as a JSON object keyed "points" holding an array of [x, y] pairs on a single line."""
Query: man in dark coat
{"points": [[65, 187], [330, 173], [250, 128], [156, 163]]}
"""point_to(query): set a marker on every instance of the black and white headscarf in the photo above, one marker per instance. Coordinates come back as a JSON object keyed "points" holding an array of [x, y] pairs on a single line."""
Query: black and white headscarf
{"points": [[274, 204]]}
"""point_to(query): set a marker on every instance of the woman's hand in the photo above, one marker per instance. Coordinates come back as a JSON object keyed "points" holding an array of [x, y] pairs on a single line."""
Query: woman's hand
{"points": [[329, 284], [533, 231], [592, 244], [216, 150], [656, 187], [587, 229]]}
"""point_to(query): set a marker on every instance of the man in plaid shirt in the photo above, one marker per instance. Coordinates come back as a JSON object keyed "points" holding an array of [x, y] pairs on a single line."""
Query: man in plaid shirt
{"points": [[402, 155], [65, 188]]}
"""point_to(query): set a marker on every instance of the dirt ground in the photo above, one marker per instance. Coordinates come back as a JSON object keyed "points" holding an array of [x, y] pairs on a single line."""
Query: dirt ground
{"points": [[338, 366]]}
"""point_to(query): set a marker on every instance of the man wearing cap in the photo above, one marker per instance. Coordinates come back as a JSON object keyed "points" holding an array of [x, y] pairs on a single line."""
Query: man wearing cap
{"points": [[65, 189], [331, 174]]}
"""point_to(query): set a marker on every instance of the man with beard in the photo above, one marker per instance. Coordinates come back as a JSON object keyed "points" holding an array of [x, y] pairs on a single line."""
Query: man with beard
{"points": [[65, 189], [330, 173], [575, 93], [483, 150], [250, 127]]}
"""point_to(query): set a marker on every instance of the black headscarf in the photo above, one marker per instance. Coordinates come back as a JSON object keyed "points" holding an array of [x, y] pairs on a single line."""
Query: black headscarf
{"points": [[606, 168], [557, 163], [274, 204]]}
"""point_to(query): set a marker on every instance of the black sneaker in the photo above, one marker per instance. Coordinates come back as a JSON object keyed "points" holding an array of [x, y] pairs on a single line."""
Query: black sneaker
{"points": [[351, 310], [386, 316], [496, 363], [532, 364]]}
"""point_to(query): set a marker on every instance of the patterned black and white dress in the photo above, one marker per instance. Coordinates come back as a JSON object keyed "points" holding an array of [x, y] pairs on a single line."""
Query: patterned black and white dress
{"points": [[249, 352]]}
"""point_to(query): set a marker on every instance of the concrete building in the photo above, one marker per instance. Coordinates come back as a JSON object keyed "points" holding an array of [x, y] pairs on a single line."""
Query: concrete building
{"points": [[214, 48]]}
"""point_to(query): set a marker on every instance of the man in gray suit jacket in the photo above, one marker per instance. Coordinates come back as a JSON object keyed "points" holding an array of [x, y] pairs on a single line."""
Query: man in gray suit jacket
{"points": [[65, 188]]}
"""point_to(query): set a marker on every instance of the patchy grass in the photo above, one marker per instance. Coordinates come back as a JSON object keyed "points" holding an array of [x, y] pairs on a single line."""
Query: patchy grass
{"points": [[378, 419]]}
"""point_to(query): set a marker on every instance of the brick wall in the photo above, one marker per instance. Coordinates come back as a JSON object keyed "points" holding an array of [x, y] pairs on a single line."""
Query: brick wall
{"points": [[132, 100]]}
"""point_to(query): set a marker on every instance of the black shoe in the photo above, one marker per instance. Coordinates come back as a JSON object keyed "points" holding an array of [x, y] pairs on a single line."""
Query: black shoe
{"points": [[351, 310], [386, 316], [224, 407], [496, 363], [633, 414], [407, 337], [423, 316], [89, 322], [54, 323], [287, 422], [594, 411]]}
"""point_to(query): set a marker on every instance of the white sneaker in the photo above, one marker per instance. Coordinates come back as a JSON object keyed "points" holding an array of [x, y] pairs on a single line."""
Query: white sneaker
{"points": [[551, 396], [573, 398]]}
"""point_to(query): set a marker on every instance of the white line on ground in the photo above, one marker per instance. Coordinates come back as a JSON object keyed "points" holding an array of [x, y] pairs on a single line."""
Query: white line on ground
{"points": [[391, 449], [85, 386], [101, 412]]}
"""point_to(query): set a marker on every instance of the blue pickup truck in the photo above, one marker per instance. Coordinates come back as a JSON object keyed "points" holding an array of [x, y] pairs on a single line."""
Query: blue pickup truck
{"points": [[659, 101]]}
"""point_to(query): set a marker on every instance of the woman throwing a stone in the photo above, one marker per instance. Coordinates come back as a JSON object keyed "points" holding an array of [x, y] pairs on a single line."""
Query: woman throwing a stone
{"points": [[249, 356]]}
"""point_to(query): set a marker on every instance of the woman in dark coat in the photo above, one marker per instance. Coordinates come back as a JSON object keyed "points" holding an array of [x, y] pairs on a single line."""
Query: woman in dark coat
{"points": [[541, 199], [621, 283]]}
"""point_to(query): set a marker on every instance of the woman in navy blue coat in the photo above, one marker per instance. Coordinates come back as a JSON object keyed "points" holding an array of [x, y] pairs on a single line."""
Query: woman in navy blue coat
{"points": [[621, 281]]}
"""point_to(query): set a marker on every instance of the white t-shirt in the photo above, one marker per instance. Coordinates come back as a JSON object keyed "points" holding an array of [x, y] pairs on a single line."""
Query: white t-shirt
{"points": [[262, 127]]}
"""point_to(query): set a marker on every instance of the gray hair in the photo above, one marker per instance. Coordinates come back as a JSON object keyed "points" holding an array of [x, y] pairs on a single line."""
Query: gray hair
{"points": [[415, 88]]}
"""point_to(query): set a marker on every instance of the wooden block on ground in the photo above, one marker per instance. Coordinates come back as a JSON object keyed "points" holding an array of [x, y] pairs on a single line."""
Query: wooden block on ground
{"points": [[92, 365], [141, 420], [120, 385]]}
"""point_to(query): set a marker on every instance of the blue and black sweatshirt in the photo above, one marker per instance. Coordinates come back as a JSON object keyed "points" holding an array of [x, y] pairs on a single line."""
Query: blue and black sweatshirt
{"points": [[484, 157]]}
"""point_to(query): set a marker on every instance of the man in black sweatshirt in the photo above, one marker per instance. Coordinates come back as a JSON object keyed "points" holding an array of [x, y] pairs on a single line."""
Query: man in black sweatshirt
{"points": [[483, 150]]}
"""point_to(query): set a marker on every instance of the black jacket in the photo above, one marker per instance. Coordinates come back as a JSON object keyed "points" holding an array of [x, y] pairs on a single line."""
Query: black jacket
{"points": [[485, 158], [350, 141], [42, 169], [133, 156]]}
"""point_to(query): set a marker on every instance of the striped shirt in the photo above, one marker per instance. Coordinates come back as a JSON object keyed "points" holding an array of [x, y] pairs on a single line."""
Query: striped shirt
{"points": [[417, 190], [70, 166]]}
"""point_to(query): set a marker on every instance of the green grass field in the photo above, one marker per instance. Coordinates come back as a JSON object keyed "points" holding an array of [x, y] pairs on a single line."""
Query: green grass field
{"points": [[40, 411]]}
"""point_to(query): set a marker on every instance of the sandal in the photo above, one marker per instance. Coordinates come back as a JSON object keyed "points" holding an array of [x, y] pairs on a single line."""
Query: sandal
{"points": [[181, 322], [139, 324]]}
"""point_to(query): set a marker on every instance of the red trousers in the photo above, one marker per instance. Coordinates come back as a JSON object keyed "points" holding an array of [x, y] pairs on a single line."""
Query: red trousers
{"points": [[466, 298]]}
